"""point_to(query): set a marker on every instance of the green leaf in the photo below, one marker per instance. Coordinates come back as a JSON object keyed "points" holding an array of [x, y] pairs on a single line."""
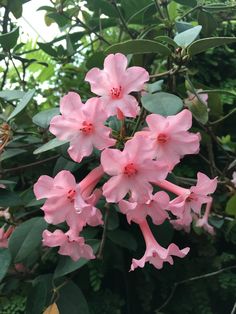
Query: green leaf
{"points": [[43, 118], [5, 261], [69, 46], [155, 87], [9, 199], [47, 47], [11, 152], [162, 103], [231, 206], [66, 265], [185, 38], [38, 294], [139, 46], [10, 95], [182, 26], [26, 238], [22, 104], [15, 6], [123, 238], [9, 40], [198, 109], [167, 40], [207, 21], [202, 45], [49, 146], [190, 3], [71, 300]]}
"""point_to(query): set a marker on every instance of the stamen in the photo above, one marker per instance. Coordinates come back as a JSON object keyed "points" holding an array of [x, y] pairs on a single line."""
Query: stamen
{"points": [[162, 138], [116, 92], [130, 170], [71, 195], [87, 127]]}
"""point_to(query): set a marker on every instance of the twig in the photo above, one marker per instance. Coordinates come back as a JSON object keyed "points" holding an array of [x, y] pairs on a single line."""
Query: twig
{"points": [[159, 9], [191, 10], [32, 164], [100, 252], [178, 283], [122, 19], [223, 118]]}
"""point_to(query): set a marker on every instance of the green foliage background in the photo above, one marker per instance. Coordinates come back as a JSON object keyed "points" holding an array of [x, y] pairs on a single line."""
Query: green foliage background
{"points": [[35, 74]]}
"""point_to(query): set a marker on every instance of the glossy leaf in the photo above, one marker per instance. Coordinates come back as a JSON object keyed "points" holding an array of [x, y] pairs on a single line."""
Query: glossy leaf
{"points": [[9, 199], [49, 146], [5, 261], [66, 265], [231, 206], [43, 118], [10, 95], [162, 103], [26, 238], [22, 104], [47, 47], [139, 46], [71, 300], [11, 152], [185, 38], [123, 238], [202, 45], [9, 40], [207, 21]]}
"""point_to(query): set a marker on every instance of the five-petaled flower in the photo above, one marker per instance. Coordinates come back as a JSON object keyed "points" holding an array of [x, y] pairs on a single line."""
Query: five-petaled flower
{"points": [[82, 125], [115, 83]]}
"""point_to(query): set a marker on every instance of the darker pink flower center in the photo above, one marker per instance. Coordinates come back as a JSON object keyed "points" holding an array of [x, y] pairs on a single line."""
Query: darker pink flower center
{"points": [[154, 254], [162, 138], [115, 92], [87, 127], [191, 197], [71, 195], [130, 170]]}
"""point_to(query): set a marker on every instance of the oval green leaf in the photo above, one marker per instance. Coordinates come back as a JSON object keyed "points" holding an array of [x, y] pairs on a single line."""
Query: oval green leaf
{"points": [[185, 38], [49, 145], [202, 45], [9, 40], [43, 118], [162, 103], [139, 46], [26, 238], [22, 104]]}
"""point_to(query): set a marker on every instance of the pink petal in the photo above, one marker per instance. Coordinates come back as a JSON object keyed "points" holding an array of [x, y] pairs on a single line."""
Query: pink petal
{"points": [[43, 188], [80, 147], [116, 188], [99, 81], [112, 161], [64, 128], [134, 79], [181, 122], [65, 179], [56, 209], [70, 103], [204, 185], [53, 239]]}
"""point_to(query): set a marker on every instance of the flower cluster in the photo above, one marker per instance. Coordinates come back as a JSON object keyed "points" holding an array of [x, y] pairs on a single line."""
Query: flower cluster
{"points": [[133, 172]]}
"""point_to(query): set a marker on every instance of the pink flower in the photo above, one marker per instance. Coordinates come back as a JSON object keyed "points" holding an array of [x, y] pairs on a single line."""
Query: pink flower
{"points": [[169, 137], [192, 200], [234, 178], [82, 125], [114, 84], [70, 244], [60, 193], [156, 254], [203, 222], [4, 235], [132, 170], [155, 208]]}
